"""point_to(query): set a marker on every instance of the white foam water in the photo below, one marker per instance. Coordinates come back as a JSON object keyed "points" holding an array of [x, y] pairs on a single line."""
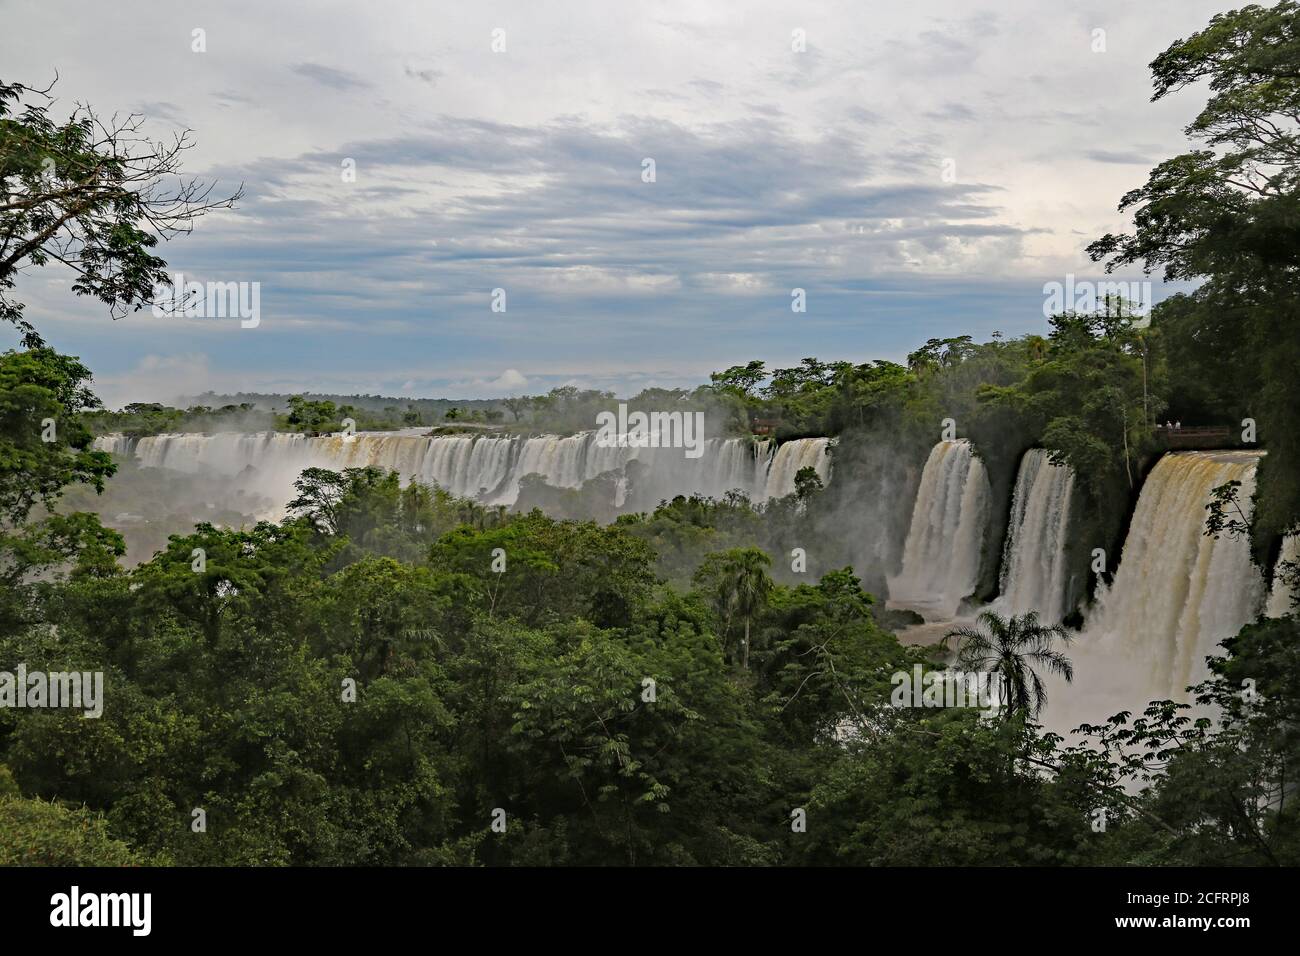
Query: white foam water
{"points": [[485, 467], [941, 557]]}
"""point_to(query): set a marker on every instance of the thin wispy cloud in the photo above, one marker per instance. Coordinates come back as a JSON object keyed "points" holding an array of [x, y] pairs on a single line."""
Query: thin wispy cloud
{"points": [[329, 76]]}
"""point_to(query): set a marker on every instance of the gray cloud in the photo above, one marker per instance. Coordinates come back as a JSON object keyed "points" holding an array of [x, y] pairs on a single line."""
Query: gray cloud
{"points": [[522, 170], [429, 76], [1121, 157], [335, 79], [160, 109]]}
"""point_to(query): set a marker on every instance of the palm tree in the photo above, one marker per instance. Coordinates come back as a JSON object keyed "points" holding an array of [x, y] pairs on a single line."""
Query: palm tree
{"points": [[1012, 647], [1036, 346], [750, 585], [740, 585]]}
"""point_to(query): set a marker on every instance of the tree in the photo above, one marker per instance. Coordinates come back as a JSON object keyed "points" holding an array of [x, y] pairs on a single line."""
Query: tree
{"points": [[313, 417], [43, 833], [942, 789], [93, 195], [517, 406], [741, 380], [940, 353], [1226, 516], [1086, 401], [807, 483], [44, 445], [810, 375], [1226, 214], [739, 586], [825, 660], [1012, 648], [564, 395]]}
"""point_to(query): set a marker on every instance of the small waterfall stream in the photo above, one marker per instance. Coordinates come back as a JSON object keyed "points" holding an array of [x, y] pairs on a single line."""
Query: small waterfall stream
{"points": [[941, 558], [1035, 571]]}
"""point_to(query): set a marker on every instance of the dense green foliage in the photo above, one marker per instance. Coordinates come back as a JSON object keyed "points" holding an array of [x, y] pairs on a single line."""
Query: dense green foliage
{"points": [[564, 410], [138, 419], [372, 679], [40, 833], [293, 413]]}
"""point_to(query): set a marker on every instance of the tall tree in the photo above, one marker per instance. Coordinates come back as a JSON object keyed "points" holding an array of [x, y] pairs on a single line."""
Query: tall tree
{"points": [[93, 194], [518, 406], [739, 584], [44, 445], [1226, 214], [741, 380]]}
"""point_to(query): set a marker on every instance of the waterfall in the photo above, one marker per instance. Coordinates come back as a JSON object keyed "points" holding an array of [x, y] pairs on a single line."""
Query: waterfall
{"points": [[485, 467], [941, 558], [1279, 597], [1177, 593], [791, 458], [1034, 564]]}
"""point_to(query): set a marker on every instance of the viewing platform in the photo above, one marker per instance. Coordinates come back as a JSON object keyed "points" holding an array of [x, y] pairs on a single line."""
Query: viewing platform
{"points": [[1196, 436]]}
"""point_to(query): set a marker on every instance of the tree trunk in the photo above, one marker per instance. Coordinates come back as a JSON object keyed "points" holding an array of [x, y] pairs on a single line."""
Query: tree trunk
{"points": [[1146, 411], [744, 651], [1127, 468]]}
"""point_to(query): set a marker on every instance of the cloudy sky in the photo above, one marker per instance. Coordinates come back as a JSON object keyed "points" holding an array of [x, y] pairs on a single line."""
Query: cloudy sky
{"points": [[521, 169]]}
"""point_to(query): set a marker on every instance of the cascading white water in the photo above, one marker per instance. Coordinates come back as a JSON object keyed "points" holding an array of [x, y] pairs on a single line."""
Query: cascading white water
{"points": [[941, 558], [1177, 592], [485, 467], [1035, 572], [791, 458], [1280, 594]]}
